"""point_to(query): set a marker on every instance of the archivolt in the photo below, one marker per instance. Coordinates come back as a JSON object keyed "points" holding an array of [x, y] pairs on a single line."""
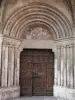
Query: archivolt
{"points": [[38, 14]]}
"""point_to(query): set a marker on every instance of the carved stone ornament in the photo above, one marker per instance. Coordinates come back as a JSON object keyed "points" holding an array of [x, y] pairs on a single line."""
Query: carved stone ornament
{"points": [[11, 42], [1, 39]]}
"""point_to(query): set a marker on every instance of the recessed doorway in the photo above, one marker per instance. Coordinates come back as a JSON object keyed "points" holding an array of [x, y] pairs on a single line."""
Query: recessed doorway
{"points": [[36, 72]]}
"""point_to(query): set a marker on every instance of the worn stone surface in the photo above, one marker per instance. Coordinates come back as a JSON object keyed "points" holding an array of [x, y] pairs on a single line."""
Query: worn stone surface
{"points": [[36, 98]]}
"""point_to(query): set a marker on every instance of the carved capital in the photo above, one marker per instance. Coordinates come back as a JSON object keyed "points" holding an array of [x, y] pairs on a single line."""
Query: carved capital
{"points": [[1, 39], [11, 42], [71, 45], [65, 46], [62, 46], [58, 46]]}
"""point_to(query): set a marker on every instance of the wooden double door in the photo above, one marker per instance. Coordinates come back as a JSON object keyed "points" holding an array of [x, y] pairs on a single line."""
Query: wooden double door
{"points": [[36, 72]]}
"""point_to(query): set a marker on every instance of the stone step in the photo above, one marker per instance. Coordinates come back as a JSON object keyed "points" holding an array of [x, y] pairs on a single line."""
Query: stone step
{"points": [[36, 98]]}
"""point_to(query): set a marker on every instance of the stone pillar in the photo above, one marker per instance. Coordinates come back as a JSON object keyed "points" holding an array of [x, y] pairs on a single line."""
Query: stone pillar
{"points": [[18, 68], [9, 67], [16, 71], [0, 63], [12, 67], [0, 59], [65, 66], [55, 67], [13, 71], [62, 65], [68, 65], [3, 65], [72, 65], [59, 65], [6, 65], [15, 66]]}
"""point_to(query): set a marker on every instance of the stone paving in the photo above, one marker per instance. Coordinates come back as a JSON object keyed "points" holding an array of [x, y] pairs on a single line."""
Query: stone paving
{"points": [[37, 98]]}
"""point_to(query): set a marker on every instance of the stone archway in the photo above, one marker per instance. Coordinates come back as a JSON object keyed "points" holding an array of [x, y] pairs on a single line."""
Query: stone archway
{"points": [[59, 27]]}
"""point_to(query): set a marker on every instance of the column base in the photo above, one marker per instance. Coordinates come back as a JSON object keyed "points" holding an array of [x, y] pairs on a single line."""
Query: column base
{"points": [[64, 93], [9, 93]]}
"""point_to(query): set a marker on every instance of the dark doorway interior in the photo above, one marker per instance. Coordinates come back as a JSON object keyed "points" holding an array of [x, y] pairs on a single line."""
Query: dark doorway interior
{"points": [[36, 72]]}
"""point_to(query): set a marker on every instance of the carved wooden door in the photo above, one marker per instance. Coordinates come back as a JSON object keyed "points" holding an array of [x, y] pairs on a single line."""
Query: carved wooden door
{"points": [[36, 72]]}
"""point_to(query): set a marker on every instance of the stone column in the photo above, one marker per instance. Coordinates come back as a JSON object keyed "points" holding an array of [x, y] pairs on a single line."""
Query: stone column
{"points": [[16, 67], [12, 66], [62, 65], [55, 67], [59, 65], [3, 65], [72, 65], [68, 65], [9, 66], [6, 65], [0, 62], [65, 66], [1, 41]]}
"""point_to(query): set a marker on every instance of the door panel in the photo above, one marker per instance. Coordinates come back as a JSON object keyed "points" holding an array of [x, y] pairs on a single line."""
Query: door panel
{"points": [[26, 79], [36, 72], [39, 79]]}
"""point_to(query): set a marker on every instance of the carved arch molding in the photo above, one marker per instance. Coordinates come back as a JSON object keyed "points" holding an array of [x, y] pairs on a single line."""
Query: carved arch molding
{"points": [[38, 14]]}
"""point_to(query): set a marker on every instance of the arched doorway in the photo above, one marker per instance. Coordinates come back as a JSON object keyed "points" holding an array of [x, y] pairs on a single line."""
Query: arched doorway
{"points": [[36, 72], [19, 24]]}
